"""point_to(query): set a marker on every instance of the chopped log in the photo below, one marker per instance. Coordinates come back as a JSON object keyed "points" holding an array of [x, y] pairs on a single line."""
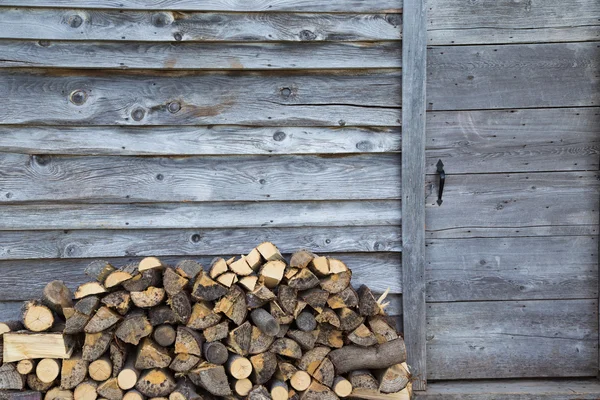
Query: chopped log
{"points": [[103, 319], [162, 315], [173, 283], [316, 298], [350, 358], [280, 316], [269, 251], [143, 280], [329, 336], [285, 371], [227, 279], [68, 312], [215, 353], [37, 317], [349, 319], [217, 332], [239, 367], [10, 326], [100, 369], [72, 373], [259, 342], [150, 297], [342, 386], [156, 383], [87, 305], [203, 316], [301, 259], [320, 266], [290, 273], [119, 301], [205, 288], [118, 356], [117, 278], [306, 340], [22, 345], [47, 370], [383, 330], [99, 270], [306, 322], [260, 296], [300, 306], [212, 378], [218, 266], [249, 282], [76, 323], [34, 383], [335, 283], [133, 395], [57, 393], [367, 304], [239, 338], [150, 263], [394, 378], [187, 341], [283, 328], [287, 298], [259, 392], [303, 280], [56, 296], [86, 391], [316, 391], [184, 390], [293, 395], [242, 386], [110, 390], [254, 259], [286, 347], [164, 335], [346, 298], [184, 362], [369, 394], [271, 273], [300, 380], [25, 367], [89, 289], [151, 355], [362, 336], [129, 375], [328, 316], [11, 379], [241, 267], [311, 360], [263, 367], [189, 269], [336, 266], [233, 305], [230, 260], [264, 321], [134, 328], [325, 373]]}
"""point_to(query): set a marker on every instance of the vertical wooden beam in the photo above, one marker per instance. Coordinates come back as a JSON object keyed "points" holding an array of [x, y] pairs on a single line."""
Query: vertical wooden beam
{"points": [[414, 49]]}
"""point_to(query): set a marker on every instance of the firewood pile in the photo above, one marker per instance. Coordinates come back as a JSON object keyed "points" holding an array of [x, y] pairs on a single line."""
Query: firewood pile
{"points": [[254, 327]]}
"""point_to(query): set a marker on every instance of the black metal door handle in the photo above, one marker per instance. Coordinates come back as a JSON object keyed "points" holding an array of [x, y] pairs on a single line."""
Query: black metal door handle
{"points": [[442, 173]]}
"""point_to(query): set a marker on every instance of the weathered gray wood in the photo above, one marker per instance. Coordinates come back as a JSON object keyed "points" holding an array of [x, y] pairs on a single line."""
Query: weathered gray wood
{"points": [[513, 76], [135, 25], [220, 5], [522, 389], [10, 310], [514, 140], [536, 203], [512, 268], [200, 215], [24, 278], [151, 179], [507, 339], [197, 140], [105, 97], [506, 21], [413, 196]]}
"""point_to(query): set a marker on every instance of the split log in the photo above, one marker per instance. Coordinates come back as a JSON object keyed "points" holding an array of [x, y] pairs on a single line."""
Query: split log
{"points": [[329, 336], [143, 280], [189, 269], [203, 316], [285, 371], [119, 301], [384, 355], [243, 386], [102, 320], [233, 305], [263, 367], [37, 317], [303, 280], [394, 378], [362, 336], [87, 305], [151, 355], [316, 391], [184, 362], [328, 316], [241, 267], [134, 328], [301, 259], [86, 391], [21, 346], [239, 367], [76, 322], [280, 316], [96, 344], [218, 266], [89, 289], [342, 386], [264, 321], [248, 282], [306, 340], [148, 298], [259, 392], [217, 332], [129, 375], [187, 341], [11, 379], [99, 270], [184, 390], [336, 266], [383, 330], [100, 369], [349, 319], [269, 251], [254, 259], [47, 370], [10, 326], [215, 353], [311, 360], [173, 283], [164, 335], [156, 383], [286, 347], [56, 296], [162, 315], [325, 373], [367, 304], [116, 278], [346, 298], [150, 263], [110, 390], [316, 298], [205, 288], [320, 266], [239, 338], [227, 279], [271, 273], [118, 356], [73, 371], [259, 296], [287, 298], [34, 383], [335, 283], [212, 378], [259, 342]]}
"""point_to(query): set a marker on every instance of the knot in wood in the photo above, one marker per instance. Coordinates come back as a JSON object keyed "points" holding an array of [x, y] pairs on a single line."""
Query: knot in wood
{"points": [[196, 238], [44, 43], [394, 19], [138, 114], [160, 20], [174, 107], [41, 159], [279, 136], [307, 35], [160, 177], [178, 36], [341, 122], [78, 97], [286, 92], [75, 21]]}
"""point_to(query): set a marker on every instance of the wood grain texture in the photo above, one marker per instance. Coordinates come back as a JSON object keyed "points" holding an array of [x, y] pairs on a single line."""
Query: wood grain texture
{"points": [[414, 53], [537, 203], [197, 140], [160, 179], [529, 268], [200, 215], [39, 272], [521, 389], [508, 21], [106, 97], [513, 76], [220, 5], [163, 26], [514, 140], [507, 339], [230, 56]]}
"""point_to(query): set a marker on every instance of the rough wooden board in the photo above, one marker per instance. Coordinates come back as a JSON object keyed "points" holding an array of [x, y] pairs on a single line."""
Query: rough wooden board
{"points": [[197, 140], [503, 204], [413, 196], [539, 389], [296, 98], [220, 5], [514, 140], [507, 339], [24, 346], [512, 268], [39, 272], [135, 25], [506, 21], [513, 76], [239, 178], [519, 231]]}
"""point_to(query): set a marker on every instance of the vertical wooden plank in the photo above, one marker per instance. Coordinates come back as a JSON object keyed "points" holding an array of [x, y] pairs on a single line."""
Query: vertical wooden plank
{"points": [[414, 47]]}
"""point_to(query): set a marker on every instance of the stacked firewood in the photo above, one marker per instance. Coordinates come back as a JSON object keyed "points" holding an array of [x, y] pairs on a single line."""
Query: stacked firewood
{"points": [[253, 327]]}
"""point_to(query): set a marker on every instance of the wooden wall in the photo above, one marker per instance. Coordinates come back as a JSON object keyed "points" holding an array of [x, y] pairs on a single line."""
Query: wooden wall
{"points": [[203, 129], [512, 253]]}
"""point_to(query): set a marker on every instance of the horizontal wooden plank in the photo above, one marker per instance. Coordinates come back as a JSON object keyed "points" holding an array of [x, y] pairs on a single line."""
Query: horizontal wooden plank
{"points": [[529, 268], [171, 26], [513, 76], [536, 203], [219, 178], [200, 215], [197, 140], [514, 140], [105, 97], [215, 56], [25, 279], [513, 389], [16, 245], [508, 339], [220, 5], [507, 21]]}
